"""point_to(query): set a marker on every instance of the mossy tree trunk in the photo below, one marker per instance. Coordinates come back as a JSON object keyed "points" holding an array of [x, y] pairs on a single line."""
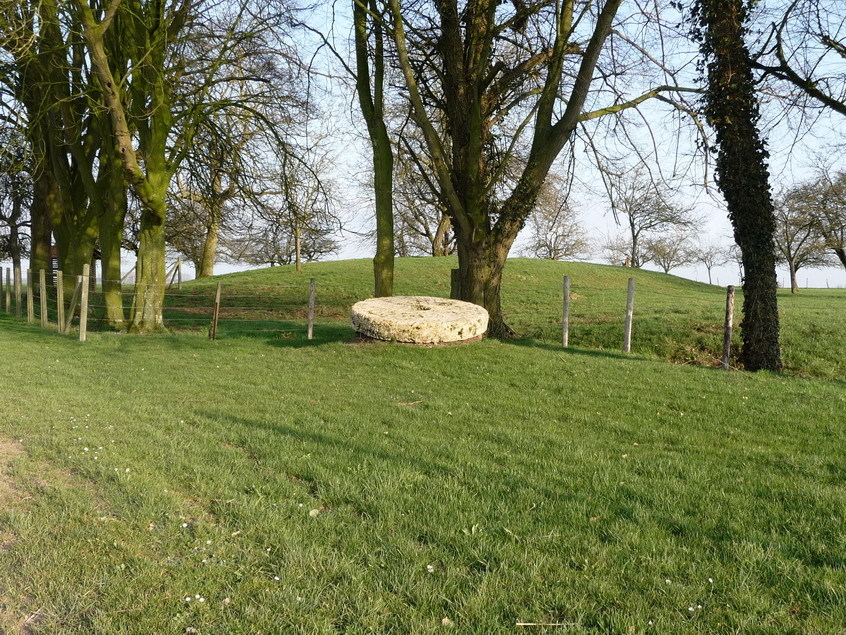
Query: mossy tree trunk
{"points": [[113, 194], [147, 37], [367, 20]]}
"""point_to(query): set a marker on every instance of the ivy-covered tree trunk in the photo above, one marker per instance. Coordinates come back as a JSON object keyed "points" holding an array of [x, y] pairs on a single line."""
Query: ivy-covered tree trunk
{"points": [[731, 108]]}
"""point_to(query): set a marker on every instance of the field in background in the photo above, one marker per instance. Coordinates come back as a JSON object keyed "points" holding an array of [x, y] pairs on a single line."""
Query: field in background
{"points": [[264, 483]]}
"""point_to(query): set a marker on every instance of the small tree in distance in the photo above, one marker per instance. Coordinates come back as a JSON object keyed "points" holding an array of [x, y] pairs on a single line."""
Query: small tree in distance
{"points": [[647, 211], [556, 231], [670, 250], [711, 255], [825, 199], [797, 239]]}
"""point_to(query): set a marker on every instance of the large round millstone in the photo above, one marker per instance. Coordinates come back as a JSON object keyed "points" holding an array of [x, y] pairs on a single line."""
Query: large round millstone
{"points": [[419, 319]]}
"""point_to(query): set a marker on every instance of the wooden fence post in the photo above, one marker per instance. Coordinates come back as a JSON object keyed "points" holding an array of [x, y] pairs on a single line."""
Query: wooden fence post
{"points": [[179, 273], [565, 318], [8, 289], [729, 320], [627, 335], [311, 294], [30, 301], [83, 304], [127, 274], [60, 301], [42, 295], [172, 273], [74, 301], [215, 314]]}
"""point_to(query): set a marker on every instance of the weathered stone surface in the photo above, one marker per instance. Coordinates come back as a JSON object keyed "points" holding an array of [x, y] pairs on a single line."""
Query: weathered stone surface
{"points": [[419, 319]]}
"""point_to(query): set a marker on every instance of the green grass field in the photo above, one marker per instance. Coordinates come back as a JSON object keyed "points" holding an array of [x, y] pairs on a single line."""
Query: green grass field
{"points": [[288, 486], [675, 319]]}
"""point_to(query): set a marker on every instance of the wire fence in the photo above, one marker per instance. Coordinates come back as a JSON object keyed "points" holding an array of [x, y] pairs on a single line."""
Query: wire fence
{"points": [[684, 325], [83, 304]]}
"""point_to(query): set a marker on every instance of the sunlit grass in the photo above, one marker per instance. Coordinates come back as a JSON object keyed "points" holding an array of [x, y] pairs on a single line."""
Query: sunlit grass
{"points": [[675, 319], [327, 486]]}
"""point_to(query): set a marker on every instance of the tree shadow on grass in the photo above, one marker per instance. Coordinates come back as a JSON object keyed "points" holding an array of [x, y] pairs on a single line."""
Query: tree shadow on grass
{"points": [[297, 336], [435, 466], [19, 326], [334, 442], [528, 342]]}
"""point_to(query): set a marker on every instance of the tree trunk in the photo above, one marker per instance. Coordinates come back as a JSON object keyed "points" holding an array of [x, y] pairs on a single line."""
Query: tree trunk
{"points": [[841, 255], [77, 253], [372, 104], [794, 284], [481, 260], [297, 244], [440, 246], [111, 234], [112, 187], [14, 223], [732, 109], [14, 246], [206, 264], [383, 262], [42, 209], [150, 274]]}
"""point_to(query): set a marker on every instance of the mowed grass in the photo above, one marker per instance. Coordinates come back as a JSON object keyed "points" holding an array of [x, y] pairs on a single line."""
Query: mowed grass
{"points": [[326, 486]]}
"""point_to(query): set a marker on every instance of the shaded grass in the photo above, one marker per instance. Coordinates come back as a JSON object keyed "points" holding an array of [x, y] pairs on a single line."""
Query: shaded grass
{"points": [[487, 484]]}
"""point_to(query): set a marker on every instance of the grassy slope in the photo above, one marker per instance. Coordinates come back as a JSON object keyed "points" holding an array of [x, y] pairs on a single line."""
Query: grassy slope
{"points": [[574, 487], [675, 318]]}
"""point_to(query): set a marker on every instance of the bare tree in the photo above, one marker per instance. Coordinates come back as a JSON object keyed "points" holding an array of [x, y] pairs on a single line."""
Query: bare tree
{"points": [[513, 83], [803, 54], [825, 200], [183, 54], [292, 217], [669, 250], [422, 226], [556, 232], [797, 239], [369, 19], [616, 249], [711, 254], [647, 211], [15, 197]]}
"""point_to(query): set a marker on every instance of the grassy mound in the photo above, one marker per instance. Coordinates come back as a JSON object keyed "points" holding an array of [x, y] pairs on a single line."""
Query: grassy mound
{"points": [[675, 319]]}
